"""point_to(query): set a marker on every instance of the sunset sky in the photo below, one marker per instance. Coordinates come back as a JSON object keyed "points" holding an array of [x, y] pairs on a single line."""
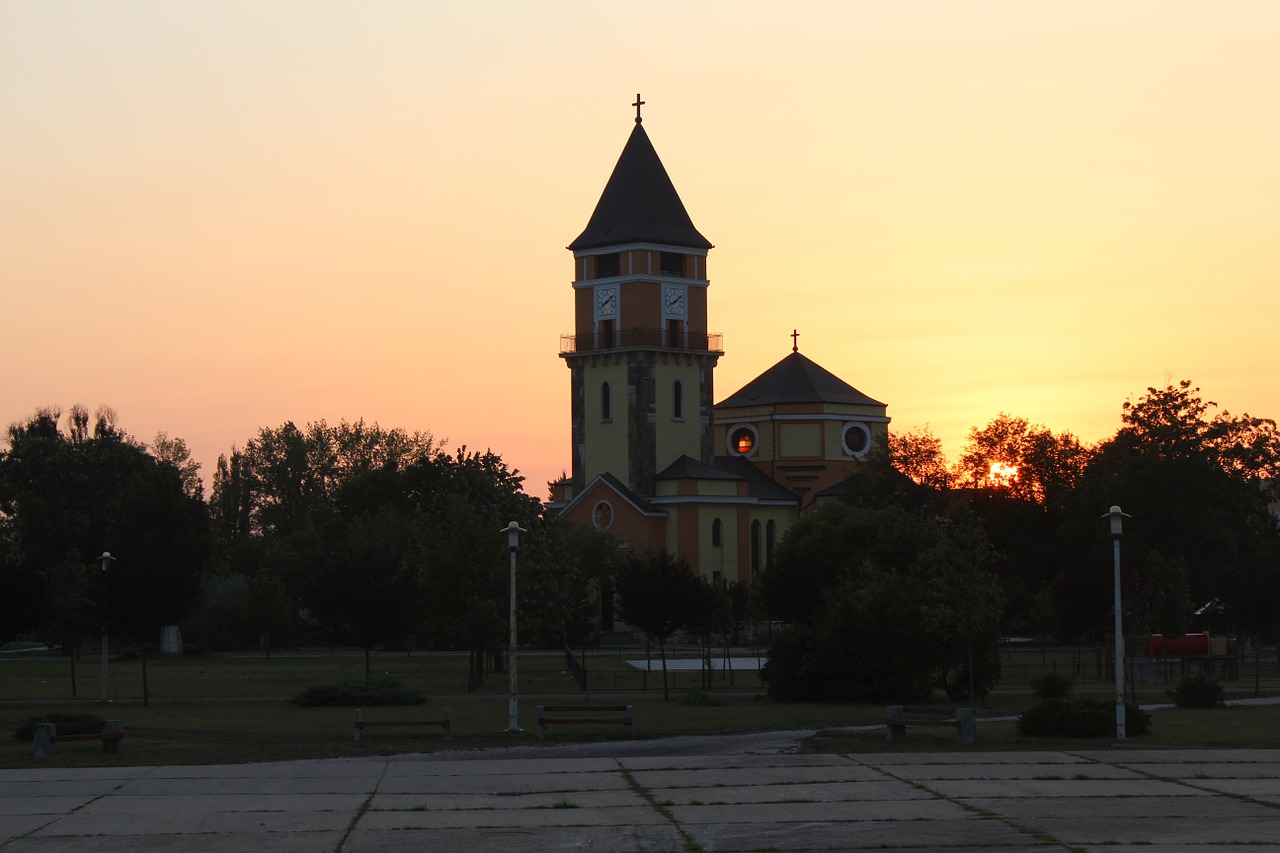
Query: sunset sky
{"points": [[216, 217]]}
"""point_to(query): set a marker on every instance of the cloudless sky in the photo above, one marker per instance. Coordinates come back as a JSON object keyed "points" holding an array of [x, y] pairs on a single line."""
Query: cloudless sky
{"points": [[216, 217]]}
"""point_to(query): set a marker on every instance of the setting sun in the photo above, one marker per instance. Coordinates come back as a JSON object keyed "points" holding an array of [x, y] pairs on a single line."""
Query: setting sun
{"points": [[1002, 475]]}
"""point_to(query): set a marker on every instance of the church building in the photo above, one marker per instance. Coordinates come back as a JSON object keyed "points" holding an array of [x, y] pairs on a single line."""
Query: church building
{"points": [[655, 460]]}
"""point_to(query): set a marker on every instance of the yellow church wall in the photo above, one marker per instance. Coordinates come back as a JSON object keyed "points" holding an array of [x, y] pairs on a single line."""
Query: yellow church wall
{"points": [[676, 437], [721, 558], [800, 440], [606, 441]]}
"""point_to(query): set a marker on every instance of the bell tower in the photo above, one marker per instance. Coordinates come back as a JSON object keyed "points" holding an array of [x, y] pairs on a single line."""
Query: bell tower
{"points": [[640, 356]]}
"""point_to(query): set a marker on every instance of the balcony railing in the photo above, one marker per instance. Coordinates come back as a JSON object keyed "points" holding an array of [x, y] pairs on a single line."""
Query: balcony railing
{"points": [[642, 339]]}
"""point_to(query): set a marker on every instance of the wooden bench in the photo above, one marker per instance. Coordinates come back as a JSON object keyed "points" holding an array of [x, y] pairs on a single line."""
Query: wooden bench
{"points": [[577, 711], [111, 733], [899, 717], [445, 723]]}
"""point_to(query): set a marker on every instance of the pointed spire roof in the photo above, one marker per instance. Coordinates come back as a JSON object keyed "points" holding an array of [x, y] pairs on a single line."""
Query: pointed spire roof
{"points": [[797, 379], [639, 204]]}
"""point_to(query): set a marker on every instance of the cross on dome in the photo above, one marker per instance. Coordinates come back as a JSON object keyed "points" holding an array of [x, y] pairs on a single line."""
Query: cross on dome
{"points": [[638, 104]]}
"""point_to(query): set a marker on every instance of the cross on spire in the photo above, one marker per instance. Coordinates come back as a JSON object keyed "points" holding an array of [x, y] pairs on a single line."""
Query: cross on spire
{"points": [[795, 343], [638, 104]]}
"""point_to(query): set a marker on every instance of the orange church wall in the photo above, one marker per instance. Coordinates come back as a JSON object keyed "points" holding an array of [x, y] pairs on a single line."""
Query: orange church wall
{"points": [[641, 299], [584, 317]]}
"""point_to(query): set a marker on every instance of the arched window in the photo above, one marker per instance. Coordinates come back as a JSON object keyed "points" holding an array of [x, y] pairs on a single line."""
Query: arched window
{"points": [[677, 400], [717, 533], [755, 547], [606, 403], [770, 539]]}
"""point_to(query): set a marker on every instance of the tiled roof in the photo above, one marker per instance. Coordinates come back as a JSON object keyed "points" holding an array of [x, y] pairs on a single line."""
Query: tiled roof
{"points": [[796, 379], [639, 204]]}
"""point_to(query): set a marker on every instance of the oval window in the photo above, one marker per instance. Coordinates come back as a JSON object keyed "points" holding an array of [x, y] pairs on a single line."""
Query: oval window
{"points": [[856, 439], [742, 441]]}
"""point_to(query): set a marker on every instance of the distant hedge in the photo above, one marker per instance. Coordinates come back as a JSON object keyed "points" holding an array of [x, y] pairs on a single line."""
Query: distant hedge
{"points": [[359, 694]]}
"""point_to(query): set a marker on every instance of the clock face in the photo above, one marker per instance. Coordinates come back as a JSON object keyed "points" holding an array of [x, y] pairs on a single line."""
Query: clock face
{"points": [[675, 300], [606, 301]]}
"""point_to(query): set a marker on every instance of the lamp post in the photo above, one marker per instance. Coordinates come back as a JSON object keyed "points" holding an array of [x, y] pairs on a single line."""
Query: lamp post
{"points": [[106, 560], [1116, 517], [513, 531]]}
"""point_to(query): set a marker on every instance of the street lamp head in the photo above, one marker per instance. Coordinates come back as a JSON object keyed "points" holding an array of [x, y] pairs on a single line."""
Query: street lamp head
{"points": [[513, 531], [106, 559], [1116, 517]]}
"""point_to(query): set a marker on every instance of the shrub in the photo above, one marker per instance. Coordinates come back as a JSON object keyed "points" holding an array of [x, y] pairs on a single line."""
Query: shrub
{"points": [[359, 694], [1198, 690], [1081, 718], [27, 730], [700, 699], [1051, 686]]}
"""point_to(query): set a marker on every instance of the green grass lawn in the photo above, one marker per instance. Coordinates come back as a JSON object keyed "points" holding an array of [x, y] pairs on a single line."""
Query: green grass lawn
{"points": [[232, 709]]}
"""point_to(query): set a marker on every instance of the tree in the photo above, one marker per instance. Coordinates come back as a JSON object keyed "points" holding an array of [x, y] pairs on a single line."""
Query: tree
{"points": [[1193, 483], [905, 598], [918, 454], [174, 451], [1025, 460], [368, 588], [660, 594], [67, 497]]}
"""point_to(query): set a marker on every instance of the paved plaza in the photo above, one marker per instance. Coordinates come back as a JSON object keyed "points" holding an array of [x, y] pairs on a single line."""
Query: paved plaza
{"points": [[543, 800]]}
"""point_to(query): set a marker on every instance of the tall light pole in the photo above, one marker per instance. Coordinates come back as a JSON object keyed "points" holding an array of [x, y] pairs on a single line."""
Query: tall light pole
{"points": [[106, 560], [513, 531], [1116, 532]]}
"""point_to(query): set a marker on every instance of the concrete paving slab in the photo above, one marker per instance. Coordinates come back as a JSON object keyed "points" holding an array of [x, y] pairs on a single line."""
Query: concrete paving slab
{"points": [[895, 759], [1138, 755], [1210, 770], [248, 842], [17, 825], [722, 802], [597, 839], [978, 789], [838, 812], [60, 788], [925, 772], [270, 785], [187, 823], [462, 802], [824, 792], [75, 774], [337, 768], [706, 778], [533, 818], [1134, 808], [144, 805], [41, 805], [1259, 788], [695, 762], [500, 767], [1158, 833], [977, 833], [514, 783]]}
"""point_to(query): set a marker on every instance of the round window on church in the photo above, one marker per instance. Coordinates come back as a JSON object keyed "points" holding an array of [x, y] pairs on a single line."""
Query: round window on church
{"points": [[742, 441], [602, 515], [856, 439]]}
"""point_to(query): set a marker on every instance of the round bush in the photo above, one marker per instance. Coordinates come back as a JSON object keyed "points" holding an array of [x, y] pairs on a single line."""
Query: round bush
{"points": [[1198, 690], [1081, 718]]}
